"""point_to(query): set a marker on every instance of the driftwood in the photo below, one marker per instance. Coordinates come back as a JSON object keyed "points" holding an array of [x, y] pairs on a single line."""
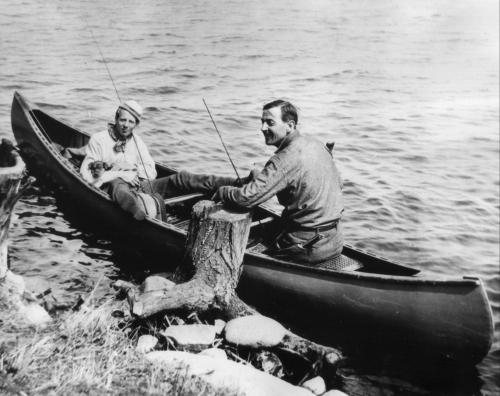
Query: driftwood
{"points": [[216, 245]]}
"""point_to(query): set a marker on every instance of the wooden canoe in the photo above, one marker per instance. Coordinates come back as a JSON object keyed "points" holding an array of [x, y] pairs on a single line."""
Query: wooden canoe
{"points": [[448, 316]]}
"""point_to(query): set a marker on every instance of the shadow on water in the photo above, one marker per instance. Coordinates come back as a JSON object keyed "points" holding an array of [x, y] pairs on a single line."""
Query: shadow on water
{"points": [[133, 262]]}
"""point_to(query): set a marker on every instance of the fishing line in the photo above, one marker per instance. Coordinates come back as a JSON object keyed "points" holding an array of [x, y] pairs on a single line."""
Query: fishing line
{"points": [[222, 141], [120, 101]]}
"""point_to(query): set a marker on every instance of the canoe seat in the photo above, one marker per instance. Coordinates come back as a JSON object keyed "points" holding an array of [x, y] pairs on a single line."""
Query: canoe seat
{"points": [[340, 263]]}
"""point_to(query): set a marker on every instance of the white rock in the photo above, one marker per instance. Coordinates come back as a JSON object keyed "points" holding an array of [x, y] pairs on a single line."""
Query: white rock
{"points": [[316, 385], [35, 315], [15, 283], [155, 282], [219, 325], [254, 331], [335, 392], [215, 353], [146, 343], [194, 334], [238, 378]]}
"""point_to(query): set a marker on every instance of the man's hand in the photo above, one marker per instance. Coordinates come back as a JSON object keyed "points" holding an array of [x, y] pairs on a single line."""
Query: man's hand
{"points": [[135, 182]]}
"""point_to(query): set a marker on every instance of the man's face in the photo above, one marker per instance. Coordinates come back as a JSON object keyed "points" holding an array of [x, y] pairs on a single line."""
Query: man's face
{"points": [[273, 127], [125, 124]]}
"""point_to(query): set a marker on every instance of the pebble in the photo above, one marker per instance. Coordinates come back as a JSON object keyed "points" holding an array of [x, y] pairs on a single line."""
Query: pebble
{"points": [[316, 385], [146, 343], [219, 325]]}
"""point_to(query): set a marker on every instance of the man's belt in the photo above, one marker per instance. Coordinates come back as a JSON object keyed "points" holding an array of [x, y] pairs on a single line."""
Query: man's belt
{"points": [[321, 228]]}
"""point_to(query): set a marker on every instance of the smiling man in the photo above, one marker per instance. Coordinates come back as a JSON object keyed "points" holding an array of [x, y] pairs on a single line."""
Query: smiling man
{"points": [[303, 176]]}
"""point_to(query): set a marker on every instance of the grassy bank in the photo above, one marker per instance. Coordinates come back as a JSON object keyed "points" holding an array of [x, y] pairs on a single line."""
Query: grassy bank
{"points": [[85, 352]]}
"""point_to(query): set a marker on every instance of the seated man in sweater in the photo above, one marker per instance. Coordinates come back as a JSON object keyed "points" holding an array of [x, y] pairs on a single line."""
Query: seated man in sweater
{"points": [[118, 161]]}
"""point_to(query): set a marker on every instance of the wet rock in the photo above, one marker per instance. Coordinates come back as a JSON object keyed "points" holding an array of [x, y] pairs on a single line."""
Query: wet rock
{"points": [[226, 375], [194, 335], [335, 392], [14, 283], [215, 353], [254, 331], [316, 385], [155, 282], [268, 362], [35, 315], [219, 325], [146, 343]]}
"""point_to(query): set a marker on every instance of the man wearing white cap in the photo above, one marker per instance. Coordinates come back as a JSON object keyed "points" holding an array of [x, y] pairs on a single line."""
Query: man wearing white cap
{"points": [[127, 171]]}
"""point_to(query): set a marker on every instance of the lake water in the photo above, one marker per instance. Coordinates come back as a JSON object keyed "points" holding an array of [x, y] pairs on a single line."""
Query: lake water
{"points": [[408, 90]]}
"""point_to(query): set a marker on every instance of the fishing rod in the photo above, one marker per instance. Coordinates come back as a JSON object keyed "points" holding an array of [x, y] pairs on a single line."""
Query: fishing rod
{"points": [[222, 141], [120, 101]]}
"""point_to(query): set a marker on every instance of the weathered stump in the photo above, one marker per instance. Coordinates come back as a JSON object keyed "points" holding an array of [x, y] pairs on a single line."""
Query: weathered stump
{"points": [[215, 248]]}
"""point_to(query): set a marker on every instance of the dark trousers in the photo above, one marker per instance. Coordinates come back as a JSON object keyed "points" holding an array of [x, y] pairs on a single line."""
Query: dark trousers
{"points": [[170, 186]]}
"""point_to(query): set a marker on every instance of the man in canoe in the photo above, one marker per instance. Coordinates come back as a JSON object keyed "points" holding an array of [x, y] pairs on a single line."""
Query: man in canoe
{"points": [[118, 161], [303, 176]]}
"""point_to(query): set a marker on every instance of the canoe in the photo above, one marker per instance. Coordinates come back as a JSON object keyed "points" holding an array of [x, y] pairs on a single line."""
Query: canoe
{"points": [[361, 293]]}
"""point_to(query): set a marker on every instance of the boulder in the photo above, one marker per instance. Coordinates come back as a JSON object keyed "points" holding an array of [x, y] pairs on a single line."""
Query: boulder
{"points": [[155, 282], [193, 335], [146, 343], [255, 331], [215, 353], [226, 375]]}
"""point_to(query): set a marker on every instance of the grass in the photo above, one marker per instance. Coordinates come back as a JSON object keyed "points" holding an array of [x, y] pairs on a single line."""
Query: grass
{"points": [[86, 352]]}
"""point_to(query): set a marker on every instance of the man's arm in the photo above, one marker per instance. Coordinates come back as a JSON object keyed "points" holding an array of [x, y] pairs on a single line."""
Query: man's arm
{"points": [[92, 154], [265, 185]]}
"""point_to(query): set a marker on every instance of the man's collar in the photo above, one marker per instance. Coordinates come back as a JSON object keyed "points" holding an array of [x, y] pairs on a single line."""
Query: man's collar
{"points": [[287, 140]]}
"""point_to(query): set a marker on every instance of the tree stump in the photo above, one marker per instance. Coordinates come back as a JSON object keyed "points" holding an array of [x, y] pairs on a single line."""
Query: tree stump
{"points": [[215, 247]]}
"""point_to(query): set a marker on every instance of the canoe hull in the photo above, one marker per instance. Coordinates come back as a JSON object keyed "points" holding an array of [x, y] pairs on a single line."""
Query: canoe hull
{"points": [[449, 316]]}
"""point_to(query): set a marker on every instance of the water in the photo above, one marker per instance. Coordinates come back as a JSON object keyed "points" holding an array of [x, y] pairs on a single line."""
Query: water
{"points": [[407, 90]]}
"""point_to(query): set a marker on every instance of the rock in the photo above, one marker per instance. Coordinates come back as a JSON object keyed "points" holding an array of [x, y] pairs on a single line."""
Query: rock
{"points": [[226, 375], [254, 331], [146, 343], [14, 283], [334, 392], [219, 325], [191, 335], [268, 362], [215, 353], [35, 315], [316, 385], [155, 282]]}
